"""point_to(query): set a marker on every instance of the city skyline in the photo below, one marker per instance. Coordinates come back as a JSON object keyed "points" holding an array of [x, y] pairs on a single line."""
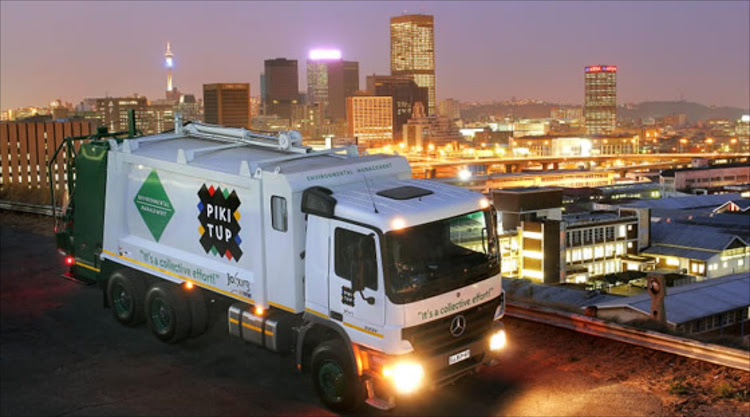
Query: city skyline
{"points": [[484, 51]]}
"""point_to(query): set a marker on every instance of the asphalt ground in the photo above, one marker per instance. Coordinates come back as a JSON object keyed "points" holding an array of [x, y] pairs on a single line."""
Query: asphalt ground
{"points": [[62, 353]]}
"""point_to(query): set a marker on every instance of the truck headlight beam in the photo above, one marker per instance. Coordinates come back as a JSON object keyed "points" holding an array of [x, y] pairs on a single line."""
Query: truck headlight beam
{"points": [[406, 376], [498, 340]]}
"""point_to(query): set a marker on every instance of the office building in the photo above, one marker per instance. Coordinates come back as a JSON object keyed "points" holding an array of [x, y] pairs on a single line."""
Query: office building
{"points": [[370, 119], [330, 80], [422, 130], [227, 104], [281, 86], [405, 93], [540, 243], [413, 52], [450, 108], [600, 99], [708, 179], [113, 112]]}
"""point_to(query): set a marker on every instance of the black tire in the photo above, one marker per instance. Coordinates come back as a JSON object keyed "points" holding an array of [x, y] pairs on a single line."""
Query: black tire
{"points": [[125, 296], [198, 311], [167, 313], [335, 378]]}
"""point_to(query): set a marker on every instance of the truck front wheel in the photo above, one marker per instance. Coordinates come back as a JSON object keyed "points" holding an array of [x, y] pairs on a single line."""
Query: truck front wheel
{"points": [[335, 378], [167, 313], [125, 297]]}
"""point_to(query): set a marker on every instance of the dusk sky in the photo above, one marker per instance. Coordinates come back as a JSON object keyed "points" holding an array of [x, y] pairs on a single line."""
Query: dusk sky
{"points": [[484, 50]]}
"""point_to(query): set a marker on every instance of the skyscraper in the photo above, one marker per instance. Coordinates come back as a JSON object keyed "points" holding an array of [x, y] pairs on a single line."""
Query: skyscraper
{"points": [[405, 93], [330, 80], [600, 99], [413, 51], [227, 104], [281, 86]]}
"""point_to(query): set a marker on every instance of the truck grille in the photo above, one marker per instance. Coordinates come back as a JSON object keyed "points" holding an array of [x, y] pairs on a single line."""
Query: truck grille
{"points": [[435, 337]]}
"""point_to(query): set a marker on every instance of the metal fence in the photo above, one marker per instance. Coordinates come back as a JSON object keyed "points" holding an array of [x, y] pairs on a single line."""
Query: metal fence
{"points": [[26, 148]]}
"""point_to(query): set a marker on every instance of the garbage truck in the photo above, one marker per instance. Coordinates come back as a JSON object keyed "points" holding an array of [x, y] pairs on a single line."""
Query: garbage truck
{"points": [[377, 284]]}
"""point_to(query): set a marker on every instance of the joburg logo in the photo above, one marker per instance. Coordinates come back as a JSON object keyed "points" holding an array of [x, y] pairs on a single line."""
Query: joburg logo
{"points": [[219, 217]]}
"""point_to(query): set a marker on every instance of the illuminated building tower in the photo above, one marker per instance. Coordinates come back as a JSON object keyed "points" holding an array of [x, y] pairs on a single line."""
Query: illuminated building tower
{"points": [[172, 93], [600, 100], [370, 119], [330, 80], [227, 104], [281, 86], [413, 52]]}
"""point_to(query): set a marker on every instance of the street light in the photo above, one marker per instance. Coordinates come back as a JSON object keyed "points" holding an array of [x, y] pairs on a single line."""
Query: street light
{"points": [[683, 141]]}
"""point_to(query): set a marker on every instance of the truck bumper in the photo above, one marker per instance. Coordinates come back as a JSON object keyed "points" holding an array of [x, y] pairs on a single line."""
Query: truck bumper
{"points": [[439, 369], [447, 367]]}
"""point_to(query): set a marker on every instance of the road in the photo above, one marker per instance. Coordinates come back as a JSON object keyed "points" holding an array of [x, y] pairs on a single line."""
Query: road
{"points": [[63, 354]]}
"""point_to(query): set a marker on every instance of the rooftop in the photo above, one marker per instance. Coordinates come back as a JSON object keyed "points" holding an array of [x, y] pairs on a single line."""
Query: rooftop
{"points": [[687, 202], [693, 301]]}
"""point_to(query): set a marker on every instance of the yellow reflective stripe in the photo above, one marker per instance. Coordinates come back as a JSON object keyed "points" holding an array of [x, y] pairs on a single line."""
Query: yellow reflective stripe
{"points": [[309, 310], [257, 329], [182, 277], [282, 307], [88, 266], [234, 321], [371, 333]]}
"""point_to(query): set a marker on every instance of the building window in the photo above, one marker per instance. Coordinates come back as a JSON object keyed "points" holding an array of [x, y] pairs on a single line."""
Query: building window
{"points": [[587, 253], [621, 231]]}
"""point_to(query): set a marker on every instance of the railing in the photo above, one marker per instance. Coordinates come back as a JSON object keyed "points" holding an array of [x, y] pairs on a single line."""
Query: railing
{"points": [[706, 352], [26, 151]]}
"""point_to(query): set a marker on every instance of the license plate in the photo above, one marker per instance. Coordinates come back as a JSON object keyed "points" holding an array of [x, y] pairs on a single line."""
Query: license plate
{"points": [[458, 357]]}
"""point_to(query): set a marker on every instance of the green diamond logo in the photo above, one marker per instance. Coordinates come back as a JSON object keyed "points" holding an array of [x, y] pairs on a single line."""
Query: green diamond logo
{"points": [[154, 205]]}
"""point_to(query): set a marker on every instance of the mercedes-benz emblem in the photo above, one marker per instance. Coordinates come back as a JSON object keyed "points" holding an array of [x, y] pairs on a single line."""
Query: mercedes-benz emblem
{"points": [[458, 325]]}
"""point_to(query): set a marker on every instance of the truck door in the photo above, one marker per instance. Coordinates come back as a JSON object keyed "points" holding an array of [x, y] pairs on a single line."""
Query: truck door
{"points": [[356, 250]]}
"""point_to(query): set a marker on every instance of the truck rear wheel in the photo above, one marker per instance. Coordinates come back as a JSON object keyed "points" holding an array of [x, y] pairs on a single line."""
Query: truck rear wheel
{"points": [[167, 313], [334, 377], [125, 297]]}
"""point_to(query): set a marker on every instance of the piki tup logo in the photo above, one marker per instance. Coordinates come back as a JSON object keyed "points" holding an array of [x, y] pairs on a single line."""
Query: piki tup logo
{"points": [[219, 217]]}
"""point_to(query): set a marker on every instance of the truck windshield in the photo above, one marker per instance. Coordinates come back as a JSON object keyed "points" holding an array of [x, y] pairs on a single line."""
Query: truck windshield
{"points": [[433, 258]]}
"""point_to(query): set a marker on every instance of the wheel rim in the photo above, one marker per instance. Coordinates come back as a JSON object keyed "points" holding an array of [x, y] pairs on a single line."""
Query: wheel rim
{"points": [[161, 315], [122, 300], [332, 381]]}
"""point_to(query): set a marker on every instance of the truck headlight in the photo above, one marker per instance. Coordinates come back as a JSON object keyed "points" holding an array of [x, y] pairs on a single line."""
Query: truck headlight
{"points": [[406, 376], [498, 340]]}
